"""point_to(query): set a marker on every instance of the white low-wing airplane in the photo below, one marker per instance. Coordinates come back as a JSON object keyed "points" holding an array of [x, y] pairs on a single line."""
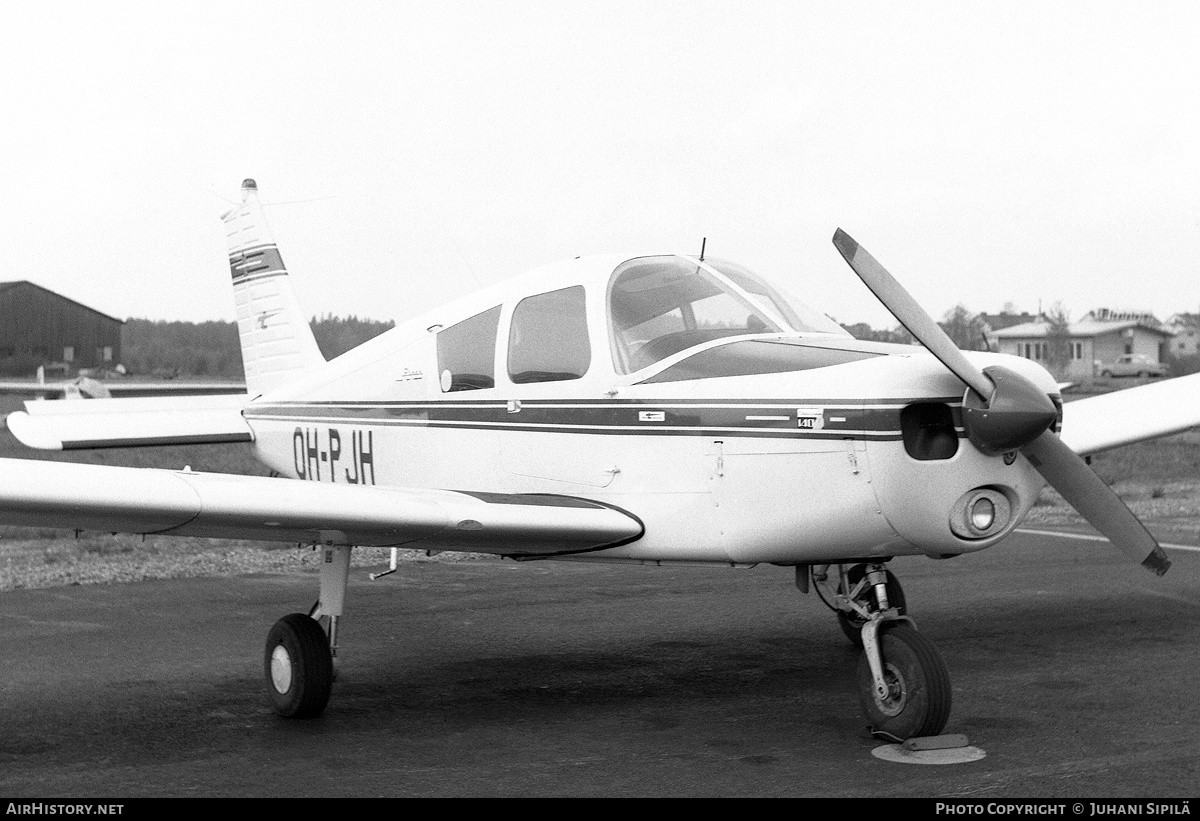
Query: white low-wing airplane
{"points": [[648, 409]]}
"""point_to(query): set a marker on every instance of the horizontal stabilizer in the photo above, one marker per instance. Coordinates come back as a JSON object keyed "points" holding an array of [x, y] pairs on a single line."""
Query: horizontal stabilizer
{"points": [[1132, 415], [84, 388], [119, 423], [215, 505]]}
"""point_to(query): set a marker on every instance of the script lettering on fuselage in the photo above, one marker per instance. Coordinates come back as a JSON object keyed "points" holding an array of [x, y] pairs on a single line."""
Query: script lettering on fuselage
{"points": [[328, 455]]}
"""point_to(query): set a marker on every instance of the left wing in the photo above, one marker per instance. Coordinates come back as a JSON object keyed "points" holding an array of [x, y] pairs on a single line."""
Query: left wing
{"points": [[1133, 415], [184, 503]]}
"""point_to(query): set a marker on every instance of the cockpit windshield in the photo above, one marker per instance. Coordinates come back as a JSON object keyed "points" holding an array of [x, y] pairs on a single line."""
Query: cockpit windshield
{"points": [[659, 306], [798, 315]]}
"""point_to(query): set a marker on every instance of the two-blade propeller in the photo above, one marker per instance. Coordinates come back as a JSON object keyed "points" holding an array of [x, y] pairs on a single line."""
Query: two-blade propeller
{"points": [[1004, 411]]}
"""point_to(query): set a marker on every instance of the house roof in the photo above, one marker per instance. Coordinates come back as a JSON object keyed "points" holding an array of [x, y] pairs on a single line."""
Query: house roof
{"points": [[1003, 320], [1083, 328]]}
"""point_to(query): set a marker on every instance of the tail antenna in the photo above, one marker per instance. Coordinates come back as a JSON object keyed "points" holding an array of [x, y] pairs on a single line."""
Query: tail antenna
{"points": [[703, 242]]}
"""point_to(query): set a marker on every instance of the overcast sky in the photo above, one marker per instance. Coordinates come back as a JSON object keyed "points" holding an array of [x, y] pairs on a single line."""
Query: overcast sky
{"points": [[985, 153]]}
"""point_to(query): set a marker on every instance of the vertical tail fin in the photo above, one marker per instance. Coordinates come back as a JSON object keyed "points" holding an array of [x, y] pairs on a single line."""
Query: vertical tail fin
{"points": [[277, 342]]}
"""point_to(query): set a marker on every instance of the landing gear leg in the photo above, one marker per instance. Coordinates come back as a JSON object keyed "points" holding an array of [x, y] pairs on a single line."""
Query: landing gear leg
{"points": [[852, 593], [904, 687], [300, 658]]}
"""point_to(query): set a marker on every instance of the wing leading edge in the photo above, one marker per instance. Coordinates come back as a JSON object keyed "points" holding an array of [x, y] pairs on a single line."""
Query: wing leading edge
{"points": [[1110, 420], [145, 500]]}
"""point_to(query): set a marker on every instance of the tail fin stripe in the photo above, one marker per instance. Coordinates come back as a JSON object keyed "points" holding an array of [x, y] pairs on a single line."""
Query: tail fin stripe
{"points": [[244, 279], [264, 258]]}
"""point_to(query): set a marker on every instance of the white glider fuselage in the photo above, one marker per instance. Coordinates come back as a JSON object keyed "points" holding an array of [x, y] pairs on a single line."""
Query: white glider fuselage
{"points": [[781, 446]]}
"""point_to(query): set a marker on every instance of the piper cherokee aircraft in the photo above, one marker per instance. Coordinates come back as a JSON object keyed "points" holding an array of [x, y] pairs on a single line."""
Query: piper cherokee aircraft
{"points": [[645, 409]]}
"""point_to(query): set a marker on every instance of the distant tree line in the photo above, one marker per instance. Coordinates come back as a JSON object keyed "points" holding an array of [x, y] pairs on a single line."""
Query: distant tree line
{"points": [[967, 330], [336, 335], [861, 330], [212, 349]]}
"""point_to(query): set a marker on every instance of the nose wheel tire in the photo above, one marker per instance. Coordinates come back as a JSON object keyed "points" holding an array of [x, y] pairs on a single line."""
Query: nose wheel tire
{"points": [[298, 667], [852, 623], [918, 699]]}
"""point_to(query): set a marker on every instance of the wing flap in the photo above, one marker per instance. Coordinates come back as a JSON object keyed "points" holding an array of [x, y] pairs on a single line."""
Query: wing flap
{"points": [[115, 423], [1133, 415], [144, 500]]}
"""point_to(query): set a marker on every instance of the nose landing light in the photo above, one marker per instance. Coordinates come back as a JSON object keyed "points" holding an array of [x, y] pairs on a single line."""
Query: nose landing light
{"points": [[980, 513], [983, 514]]}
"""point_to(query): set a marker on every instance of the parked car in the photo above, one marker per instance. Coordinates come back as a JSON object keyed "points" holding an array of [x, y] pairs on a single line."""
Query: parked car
{"points": [[1133, 365]]}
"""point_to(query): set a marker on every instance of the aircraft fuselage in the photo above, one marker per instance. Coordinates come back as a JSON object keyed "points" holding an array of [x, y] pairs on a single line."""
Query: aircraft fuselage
{"points": [[819, 465]]}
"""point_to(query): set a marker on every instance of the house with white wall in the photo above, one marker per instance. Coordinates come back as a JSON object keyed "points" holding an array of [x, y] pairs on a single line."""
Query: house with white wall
{"points": [[1101, 336]]}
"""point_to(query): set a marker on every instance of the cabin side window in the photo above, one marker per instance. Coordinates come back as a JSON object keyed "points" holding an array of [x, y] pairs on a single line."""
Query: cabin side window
{"points": [[466, 353], [548, 338]]}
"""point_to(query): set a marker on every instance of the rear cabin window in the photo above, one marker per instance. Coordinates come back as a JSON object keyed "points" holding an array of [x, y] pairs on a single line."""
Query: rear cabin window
{"points": [[548, 338], [467, 353]]}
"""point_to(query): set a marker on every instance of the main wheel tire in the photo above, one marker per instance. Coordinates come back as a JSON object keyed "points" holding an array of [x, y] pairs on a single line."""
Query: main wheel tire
{"points": [[298, 667], [918, 701], [852, 623]]}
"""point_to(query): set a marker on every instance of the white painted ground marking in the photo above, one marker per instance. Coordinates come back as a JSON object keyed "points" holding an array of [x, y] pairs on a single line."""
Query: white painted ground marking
{"points": [[1086, 537]]}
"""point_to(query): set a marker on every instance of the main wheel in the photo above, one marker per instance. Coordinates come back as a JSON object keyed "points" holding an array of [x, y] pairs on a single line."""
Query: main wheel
{"points": [[851, 623], [918, 699], [298, 667]]}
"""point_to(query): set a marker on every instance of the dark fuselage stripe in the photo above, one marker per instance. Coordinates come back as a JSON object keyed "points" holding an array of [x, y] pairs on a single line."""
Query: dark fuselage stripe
{"points": [[791, 420]]}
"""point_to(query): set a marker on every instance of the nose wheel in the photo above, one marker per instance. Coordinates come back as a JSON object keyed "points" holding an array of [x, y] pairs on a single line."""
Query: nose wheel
{"points": [[903, 684], [914, 699]]}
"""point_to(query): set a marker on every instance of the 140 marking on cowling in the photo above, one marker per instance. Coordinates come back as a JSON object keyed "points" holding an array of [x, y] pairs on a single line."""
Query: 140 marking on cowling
{"points": [[317, 452]]}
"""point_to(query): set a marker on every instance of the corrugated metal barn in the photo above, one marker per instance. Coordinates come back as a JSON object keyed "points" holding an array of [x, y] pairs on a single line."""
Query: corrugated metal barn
{"points": [[40, 327]]}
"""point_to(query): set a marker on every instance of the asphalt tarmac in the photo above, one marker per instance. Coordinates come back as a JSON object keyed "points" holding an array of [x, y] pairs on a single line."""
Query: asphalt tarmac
{"points": [[1072, 668]]}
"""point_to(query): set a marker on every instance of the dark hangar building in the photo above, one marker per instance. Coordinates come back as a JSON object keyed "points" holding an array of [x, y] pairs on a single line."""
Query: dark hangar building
{"points": [[40, 327]]}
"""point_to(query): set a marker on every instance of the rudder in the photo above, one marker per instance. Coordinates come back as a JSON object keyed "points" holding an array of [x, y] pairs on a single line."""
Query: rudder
{"points": [[277, 341]]}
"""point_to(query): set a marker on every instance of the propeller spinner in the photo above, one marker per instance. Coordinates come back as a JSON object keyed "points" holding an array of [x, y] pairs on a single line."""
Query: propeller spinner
{"points": [[1004, 411]]}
